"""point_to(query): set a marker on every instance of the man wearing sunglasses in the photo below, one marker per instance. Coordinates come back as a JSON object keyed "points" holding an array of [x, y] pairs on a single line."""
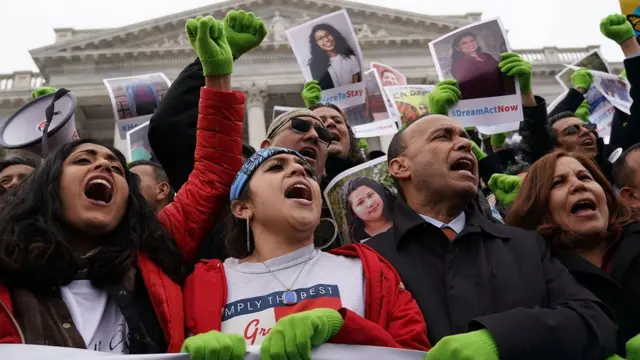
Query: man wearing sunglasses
{"points": [[304, 132], [572, 134]]}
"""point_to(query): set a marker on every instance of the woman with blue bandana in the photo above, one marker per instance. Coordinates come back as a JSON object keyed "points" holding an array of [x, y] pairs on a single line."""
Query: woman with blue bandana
{"points": [[281, 293]]}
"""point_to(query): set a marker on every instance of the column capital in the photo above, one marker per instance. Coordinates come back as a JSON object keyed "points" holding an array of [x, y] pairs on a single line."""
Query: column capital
{"points": [[256, 94]]}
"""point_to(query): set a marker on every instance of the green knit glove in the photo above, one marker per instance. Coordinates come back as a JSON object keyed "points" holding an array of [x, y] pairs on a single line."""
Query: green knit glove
{"points": [[293, 336], [623, 74], [617, 28], [470, 346], [244, 31], [583, 111], [444, 95], [215, 345], [581, 79], [42, 91], [633, 348], [615, 357], [511, 64], [207, 37], [498, 140], [505, 187], [477, 151], [311, 93]]}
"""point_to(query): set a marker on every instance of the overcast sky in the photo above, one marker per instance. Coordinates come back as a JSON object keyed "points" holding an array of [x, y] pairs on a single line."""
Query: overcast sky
{"points": [[28, 24]]}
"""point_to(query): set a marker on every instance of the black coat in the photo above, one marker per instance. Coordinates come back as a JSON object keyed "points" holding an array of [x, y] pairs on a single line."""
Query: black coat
{"points": [[498, 278]]}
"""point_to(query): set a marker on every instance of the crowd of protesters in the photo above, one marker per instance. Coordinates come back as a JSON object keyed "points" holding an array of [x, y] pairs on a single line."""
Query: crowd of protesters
{"points": [[218, 246]]}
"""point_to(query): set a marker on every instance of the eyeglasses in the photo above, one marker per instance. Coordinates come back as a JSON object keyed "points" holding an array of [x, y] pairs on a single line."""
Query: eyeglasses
{"points": [[575, 129], [303, 126]]}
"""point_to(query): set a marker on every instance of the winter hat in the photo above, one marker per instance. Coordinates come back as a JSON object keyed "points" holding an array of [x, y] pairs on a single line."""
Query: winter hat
{"points": [[254, 162], [277, 122]]}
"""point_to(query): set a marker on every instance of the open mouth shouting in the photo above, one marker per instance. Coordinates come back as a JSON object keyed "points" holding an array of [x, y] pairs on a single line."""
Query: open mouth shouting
{"points": [[463, 165], [300, 192], [310, 153], [588, 142], [99, 190], [584, 207]]}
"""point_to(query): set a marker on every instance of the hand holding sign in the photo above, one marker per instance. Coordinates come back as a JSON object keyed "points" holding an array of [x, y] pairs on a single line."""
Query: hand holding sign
{"points": [[206, 36], [444, 96], [215, 345], [582, 79], [311, 93], [244, 31], [294, 335], [617, 28], [512, 64]]}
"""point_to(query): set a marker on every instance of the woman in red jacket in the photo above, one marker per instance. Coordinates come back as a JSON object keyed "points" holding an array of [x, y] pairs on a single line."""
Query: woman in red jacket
{"points": [[476, 71], [279, 292]]}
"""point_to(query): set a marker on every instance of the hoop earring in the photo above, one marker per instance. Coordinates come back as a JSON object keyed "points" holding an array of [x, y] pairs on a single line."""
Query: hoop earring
{"points": [[248, 236], [335, 233]]}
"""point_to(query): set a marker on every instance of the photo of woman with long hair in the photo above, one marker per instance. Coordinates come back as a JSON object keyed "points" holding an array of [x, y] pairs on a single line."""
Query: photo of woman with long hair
{"points": [[476, 71], [369, 208], [333, 62]]}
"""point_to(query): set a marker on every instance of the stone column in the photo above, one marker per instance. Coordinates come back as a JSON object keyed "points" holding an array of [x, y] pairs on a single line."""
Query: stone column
{"points": [[256, 99]]}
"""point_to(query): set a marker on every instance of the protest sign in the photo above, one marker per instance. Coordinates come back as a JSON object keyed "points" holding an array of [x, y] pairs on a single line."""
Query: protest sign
{"points": [[592, 61], [389, 77], [361, 200], [41, 352], [376, 119], [410, 101], [134, 99], [351, 352], [631, 9], [138, 147], [470, 55], [615, 89], [603, 114]]}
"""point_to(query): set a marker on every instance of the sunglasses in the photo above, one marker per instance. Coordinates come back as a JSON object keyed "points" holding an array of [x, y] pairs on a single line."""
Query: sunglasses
{"points": [[303, 126], [575, 129]]}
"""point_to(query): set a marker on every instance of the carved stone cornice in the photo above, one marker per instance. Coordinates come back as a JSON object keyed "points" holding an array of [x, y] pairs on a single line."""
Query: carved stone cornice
{"points": [[256, 94]]}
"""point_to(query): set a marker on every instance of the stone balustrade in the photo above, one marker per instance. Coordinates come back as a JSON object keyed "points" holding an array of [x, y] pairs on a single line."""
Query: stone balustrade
{"points": [[21, 81]]}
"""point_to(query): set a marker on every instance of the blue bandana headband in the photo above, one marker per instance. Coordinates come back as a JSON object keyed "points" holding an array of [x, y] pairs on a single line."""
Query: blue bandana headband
{"points": [[252, 164]]}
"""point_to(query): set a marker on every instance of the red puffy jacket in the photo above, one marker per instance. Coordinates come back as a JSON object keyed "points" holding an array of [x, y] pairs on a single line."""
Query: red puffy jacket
{"points": [[188, 218], [392, 317]]}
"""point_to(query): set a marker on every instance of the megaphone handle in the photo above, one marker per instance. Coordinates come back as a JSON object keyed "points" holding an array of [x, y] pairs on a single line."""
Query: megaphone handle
{"points": [[49, 112]]}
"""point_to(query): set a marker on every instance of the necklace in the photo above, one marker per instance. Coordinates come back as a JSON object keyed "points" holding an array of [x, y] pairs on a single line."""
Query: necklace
{"points": [[289, 297]]}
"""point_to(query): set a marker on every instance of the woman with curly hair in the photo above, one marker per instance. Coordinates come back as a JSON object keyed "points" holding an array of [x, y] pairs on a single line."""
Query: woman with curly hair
{"points": [[369, 208], [567, 199], [333, 63]]}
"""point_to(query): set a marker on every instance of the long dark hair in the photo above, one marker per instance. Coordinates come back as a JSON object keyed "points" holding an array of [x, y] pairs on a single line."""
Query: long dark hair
{"points": [[319, 62], [531, 208], [34, 253], [455, 53], [356, 225]]}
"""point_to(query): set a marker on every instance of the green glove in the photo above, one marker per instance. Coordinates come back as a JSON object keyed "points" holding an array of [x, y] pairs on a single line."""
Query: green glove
{"points": [[505, 187], [244, 31], [623, 74], [615, 357], [215, 345], [470, 346], [583, 111], [206, 36], [444, 95], [633, 348], [498, 140], [617, 28], [582, 79], [477, 151], [511, 64], [311, 93], [42, 91], [293, 336]]}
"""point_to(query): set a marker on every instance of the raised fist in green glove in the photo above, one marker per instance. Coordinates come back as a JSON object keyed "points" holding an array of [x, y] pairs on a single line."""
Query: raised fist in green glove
{"points": [[42, 91], [617, 28], [633, 348], [505, 187], [498, 140], [477, 151], [293, 336], [311, 93], [511, 64], [215, 345], [244, 31], [207, 37], [583, 111], [581, 79], [444, 95], [474, 345]]}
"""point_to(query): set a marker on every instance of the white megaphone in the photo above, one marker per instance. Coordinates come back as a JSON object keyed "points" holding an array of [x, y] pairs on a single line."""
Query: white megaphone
{"points": [[51, 114]]}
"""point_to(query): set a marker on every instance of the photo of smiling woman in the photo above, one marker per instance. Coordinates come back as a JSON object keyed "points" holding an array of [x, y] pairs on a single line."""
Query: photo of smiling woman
{"points": [[333, 62], [369, 208]]}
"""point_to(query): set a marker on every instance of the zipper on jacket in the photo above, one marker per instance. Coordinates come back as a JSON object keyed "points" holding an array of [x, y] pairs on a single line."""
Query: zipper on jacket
{"points": [[14, 321]]}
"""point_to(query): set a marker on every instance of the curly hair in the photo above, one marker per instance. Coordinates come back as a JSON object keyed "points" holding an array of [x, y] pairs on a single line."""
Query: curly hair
{"points": [[319, 62], [356, 225], [34, 253]]}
